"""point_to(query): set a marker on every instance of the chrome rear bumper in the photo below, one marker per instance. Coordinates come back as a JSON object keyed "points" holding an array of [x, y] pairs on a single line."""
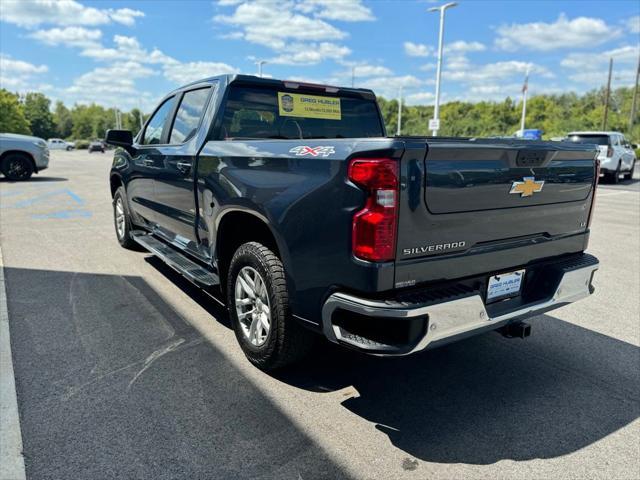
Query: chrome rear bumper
{"points": [[452, 318]]}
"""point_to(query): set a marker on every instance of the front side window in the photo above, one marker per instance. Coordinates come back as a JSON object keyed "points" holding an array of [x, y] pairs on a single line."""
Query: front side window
{"points": [[155, 127], [188, 116]]}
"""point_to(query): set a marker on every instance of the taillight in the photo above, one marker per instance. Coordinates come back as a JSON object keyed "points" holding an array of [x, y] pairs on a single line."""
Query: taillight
{"points": [[593, 195], [375, 226], [609, 151]]}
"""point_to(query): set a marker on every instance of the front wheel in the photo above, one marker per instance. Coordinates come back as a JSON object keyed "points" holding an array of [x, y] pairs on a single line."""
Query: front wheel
{"points": [[629, 174], [17, 167], [258, 304], [122, 220]]}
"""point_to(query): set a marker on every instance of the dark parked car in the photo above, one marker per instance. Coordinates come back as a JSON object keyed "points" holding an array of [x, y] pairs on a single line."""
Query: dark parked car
{"points": [[290, 200], [96, 146]]}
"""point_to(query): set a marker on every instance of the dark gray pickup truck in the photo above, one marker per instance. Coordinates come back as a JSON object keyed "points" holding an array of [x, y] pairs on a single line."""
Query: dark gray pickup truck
{"points": [[290, 199]]}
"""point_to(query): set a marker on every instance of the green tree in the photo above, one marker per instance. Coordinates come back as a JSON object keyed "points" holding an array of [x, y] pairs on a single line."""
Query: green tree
{"points": [[12, 118], [36, 109], [62, 120]]}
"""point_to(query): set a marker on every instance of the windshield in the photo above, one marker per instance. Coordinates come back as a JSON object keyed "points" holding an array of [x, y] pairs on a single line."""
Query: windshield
{"points": [[279, 113], [597, 139]]}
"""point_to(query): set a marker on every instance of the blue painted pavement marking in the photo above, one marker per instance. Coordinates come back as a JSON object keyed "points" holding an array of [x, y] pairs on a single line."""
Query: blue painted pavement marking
{"points": [[40, 198], [63, 214]]}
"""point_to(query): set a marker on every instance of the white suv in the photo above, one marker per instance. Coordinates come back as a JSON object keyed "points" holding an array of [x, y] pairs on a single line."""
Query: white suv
{"points": [[615, 154]]}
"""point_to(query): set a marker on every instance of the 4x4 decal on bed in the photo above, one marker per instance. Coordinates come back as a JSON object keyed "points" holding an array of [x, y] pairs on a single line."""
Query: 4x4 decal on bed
{"points": [[302, 150]]}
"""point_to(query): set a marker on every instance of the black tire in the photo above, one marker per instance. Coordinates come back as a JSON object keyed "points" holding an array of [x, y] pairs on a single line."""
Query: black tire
{"points": [[286, 341], [17, 167], [123, 234], [615, 177], [69, 149], [629, 174]]}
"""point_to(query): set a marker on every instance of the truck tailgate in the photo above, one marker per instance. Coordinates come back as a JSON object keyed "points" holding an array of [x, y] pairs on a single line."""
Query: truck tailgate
{"points": [[474, 206]]}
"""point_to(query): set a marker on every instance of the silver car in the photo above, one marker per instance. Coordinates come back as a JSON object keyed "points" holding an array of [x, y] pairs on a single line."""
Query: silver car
{"points": [[22, 155]]}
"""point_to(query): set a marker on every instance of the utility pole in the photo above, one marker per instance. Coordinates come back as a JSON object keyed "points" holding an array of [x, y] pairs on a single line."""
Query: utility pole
{"points": [[606, 97], [434, 123], [399, 112], [634, 102], [525, 90], [260, 63]]}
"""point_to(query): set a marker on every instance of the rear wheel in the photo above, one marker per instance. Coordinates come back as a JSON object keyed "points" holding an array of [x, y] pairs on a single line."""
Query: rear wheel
{"points": [[615, 176], [17, 167], [122, 220], [258, 304]]}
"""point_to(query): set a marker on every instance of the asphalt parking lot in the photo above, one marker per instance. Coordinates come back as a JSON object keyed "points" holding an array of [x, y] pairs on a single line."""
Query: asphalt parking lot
{"points": [[123, 370]]}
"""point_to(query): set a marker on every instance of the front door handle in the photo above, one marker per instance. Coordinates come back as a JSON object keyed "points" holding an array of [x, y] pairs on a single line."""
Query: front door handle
{"points": [[184, 167]]}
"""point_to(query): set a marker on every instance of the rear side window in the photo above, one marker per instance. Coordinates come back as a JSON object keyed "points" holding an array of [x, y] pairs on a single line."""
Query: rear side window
{"points": [[155, 128], [597, 139], [256, 113], [188, 117]]}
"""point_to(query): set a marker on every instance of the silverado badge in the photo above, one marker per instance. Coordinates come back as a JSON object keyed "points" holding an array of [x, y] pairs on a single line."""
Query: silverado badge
{"points": [[527, 187]]}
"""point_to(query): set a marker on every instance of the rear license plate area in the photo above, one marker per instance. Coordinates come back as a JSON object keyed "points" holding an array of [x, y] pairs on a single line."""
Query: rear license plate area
{"points": [[504, 285]]}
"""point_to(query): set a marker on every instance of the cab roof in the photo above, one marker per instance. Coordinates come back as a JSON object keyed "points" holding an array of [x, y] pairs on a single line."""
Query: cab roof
{"points": [[249, 80]]}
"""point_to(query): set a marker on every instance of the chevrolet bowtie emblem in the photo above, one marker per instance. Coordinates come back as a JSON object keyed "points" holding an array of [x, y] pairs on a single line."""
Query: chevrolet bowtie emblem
{"points": [[527, 187]]}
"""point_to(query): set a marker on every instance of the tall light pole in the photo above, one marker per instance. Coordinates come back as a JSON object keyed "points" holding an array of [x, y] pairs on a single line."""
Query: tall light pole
{"points": [[632, 116], [435, 121], [606, 96], [525, 90], [260, 63], [399, 111]]}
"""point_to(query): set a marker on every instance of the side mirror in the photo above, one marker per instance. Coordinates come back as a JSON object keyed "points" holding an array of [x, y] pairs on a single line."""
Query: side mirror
{"points": [[120, 138], [634, 146]]}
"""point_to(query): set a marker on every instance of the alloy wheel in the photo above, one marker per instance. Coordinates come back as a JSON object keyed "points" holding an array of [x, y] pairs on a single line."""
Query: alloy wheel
{"points": [[252, 306]]}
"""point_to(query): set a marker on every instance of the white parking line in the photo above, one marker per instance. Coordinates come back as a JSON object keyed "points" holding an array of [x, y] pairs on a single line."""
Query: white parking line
{"points": [[11, 459]]}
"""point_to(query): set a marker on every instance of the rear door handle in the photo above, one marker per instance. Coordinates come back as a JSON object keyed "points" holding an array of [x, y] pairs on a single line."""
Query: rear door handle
{"points": [[148, 162], [184, 167]]}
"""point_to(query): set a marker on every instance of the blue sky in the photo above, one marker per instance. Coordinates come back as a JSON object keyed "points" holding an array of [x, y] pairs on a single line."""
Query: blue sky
{"points": [[130, 53]]}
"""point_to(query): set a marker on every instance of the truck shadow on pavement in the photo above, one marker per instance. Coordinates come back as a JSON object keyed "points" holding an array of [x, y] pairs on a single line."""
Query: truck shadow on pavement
{"points": [[113, 383], [37, 179], [488, 398], [484, 399]]}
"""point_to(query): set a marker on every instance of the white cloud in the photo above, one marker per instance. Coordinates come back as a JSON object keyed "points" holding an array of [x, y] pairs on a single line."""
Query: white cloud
{"points": [[68, 36], [633, 24], [428, 67], [388, 87], [310, 54], [366, 70], [493, 72], [597, 60], [419, 98], [114, 85], [19, 67], [17, 74], [273, 25], [191, 71], [125, 16], [461, 46], [563, 33], [344, 10], [63, 12], [590, 69], [417, 49]]}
